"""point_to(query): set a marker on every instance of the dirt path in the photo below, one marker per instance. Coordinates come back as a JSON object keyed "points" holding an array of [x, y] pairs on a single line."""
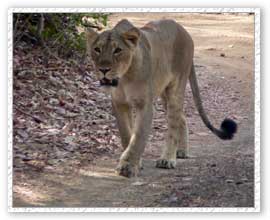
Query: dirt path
{"points": [[217, 174]]}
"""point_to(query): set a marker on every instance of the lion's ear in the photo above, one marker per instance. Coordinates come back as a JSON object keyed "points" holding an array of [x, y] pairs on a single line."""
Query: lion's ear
{"points": [[132, 36], [91, 36]]}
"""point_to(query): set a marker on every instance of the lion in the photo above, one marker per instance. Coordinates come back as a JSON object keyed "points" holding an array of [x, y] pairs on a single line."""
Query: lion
{"points": [[137, 65]]}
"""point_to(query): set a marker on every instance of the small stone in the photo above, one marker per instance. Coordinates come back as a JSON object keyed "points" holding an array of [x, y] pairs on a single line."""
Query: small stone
{"points": [[22, 133], [202, 134], [61, 111], [222, 54], [26, 158], [239, 183], [244, 179], [138, 183], [173, 199], [51, 162], [54, 101], [69, 139], [211, 48], [229, 181], [187, 178]]}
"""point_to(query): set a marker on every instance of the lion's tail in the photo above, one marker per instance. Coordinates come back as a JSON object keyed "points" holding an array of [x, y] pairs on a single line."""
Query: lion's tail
{"points": [[228, 127]]}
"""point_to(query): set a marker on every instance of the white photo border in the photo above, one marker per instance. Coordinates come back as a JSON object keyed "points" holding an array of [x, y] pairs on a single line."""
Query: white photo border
{"points": [[257, 52]]}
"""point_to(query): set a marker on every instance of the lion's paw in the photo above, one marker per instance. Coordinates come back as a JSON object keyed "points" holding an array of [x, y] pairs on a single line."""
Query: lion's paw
{"points": [[181, 154], [166, 164], [127, 170]]}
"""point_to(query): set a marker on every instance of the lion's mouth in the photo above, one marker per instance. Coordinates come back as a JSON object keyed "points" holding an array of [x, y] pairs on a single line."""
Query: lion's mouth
{"points": [[109, 82]]}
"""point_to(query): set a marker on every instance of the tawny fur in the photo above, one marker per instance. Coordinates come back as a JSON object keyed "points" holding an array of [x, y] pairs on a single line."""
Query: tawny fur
{"points": [[155, 60]]}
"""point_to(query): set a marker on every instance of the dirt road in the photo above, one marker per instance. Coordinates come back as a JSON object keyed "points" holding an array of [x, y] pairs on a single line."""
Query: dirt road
{"points": [[217, 173]]}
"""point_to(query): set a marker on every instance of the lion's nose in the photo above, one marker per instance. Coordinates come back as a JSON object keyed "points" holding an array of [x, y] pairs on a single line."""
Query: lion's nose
{"points": [[104, 70]]}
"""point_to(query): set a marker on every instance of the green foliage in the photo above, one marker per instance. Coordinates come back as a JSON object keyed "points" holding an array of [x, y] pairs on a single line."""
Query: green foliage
{"points": [[59, 31]]}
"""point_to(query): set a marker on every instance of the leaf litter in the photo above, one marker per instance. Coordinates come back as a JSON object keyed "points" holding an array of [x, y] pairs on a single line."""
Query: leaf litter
{"points": [[58, 112]]}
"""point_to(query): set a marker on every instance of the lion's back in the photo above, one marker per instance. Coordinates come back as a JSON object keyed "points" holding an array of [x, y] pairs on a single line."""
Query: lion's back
{"points": [[171, 45]]}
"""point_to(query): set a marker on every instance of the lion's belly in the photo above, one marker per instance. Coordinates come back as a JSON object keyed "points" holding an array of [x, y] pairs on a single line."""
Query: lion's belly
{"points": [[162, 76]]}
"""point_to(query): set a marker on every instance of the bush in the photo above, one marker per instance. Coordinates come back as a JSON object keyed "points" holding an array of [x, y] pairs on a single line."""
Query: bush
{"points": [[61, 32]]}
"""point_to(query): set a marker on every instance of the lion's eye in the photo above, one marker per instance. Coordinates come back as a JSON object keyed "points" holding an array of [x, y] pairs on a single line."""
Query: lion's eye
{"points": [[117, 50], [96, 49]]}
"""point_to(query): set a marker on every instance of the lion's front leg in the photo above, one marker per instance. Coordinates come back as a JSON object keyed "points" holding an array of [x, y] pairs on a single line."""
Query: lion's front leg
{"points": [[124, 121], [129, 164]]}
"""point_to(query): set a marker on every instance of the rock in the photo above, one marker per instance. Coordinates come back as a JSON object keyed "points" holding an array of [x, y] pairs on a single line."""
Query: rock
{"points": [[22, 133], [26, 158], [17, 162], [61, 111], [53, 101], [202, 134], [239, 183], [139, 183], [51, 162], [69, 139], [187, 178], [222, 54], [26, 74], [244, 179], [172, 199], [229, 181]]}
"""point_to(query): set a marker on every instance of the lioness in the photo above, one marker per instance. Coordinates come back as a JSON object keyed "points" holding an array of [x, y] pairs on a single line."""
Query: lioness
{"points": [[136, 66]]}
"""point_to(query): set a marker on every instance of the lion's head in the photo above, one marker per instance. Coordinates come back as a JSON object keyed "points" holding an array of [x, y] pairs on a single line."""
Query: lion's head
{"points": [[112, 51]]}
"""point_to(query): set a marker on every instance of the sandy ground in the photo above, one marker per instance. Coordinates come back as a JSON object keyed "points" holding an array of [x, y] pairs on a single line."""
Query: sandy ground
{"points": [[217, 173]]}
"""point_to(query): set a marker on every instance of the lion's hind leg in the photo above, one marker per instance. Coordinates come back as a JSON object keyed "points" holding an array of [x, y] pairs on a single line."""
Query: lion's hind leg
{"points": [[177, 136], [182, 150]]}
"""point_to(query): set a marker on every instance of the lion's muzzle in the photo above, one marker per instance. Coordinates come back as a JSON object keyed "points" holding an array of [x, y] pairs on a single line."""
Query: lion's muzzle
{"points": [[109, 82]]}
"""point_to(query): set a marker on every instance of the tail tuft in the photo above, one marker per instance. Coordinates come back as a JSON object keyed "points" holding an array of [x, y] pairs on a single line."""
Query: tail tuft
{"points": [[228, 129]]}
